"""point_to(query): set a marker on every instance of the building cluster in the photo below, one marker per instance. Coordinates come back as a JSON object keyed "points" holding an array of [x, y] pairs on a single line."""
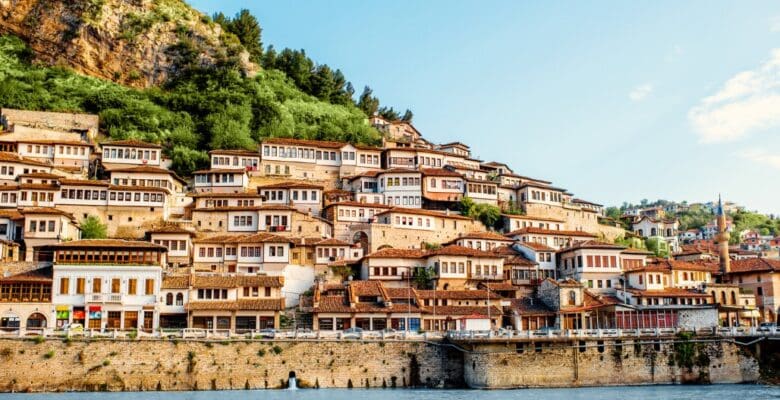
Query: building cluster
{"points": [[330, 236]]}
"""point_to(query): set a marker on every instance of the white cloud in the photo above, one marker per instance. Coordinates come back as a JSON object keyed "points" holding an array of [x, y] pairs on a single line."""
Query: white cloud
{"points": [[640, 92], [760, 156], [747, 102]]}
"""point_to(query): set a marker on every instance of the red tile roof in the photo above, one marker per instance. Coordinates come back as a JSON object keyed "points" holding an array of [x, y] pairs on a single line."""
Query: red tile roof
{"points": [[397, 253], [536, 246], [440, 172], [132, 143], [108, 243], [176, 282], [541, 231], [755, 265], [455, 250], [592, 244], [290, 185], [239, 152], [235, 281], [457, 294], [303, 142], [485, 235], [238, 305]]}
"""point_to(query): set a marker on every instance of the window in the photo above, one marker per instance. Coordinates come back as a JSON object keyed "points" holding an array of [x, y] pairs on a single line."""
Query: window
{"points": [[149, 289], [97, 284], [115, 285], [132, 286], [64, 285]]}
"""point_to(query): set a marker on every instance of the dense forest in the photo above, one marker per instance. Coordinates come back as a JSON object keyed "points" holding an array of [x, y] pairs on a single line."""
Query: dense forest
{"points": [[204, 108]]}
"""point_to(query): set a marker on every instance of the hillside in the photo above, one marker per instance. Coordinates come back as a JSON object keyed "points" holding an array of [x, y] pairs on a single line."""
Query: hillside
{"points": [[158, 71], [140, 43]]}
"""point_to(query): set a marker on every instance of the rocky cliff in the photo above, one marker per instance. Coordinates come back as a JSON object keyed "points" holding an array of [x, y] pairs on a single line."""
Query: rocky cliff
{"points": [[139, 43]]}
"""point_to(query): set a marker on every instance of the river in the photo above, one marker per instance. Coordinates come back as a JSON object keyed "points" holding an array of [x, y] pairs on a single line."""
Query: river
{"points": [[706, 392]]}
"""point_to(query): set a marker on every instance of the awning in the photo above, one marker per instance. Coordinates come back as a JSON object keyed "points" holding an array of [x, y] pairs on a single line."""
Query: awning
{"points": [[62, 308], [94, 308]]}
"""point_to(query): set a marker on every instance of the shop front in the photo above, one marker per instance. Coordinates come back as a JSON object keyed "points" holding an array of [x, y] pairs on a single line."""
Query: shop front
{"points": [[95, 317], [62, 316]]}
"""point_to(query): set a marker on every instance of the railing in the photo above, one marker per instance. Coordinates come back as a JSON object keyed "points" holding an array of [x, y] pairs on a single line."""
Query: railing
{"points": [[503, 334], [104, 298], [329, 335]]}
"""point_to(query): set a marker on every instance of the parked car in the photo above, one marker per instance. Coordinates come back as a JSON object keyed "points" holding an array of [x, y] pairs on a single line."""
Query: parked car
{"points": [[73, 329], [767, 327], [352, 333], [305, 334], [389, 333], [267, 333]]}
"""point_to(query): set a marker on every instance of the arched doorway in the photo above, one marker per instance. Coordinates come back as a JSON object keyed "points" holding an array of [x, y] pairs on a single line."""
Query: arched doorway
{"points": [[36, 321], [361, 238]]}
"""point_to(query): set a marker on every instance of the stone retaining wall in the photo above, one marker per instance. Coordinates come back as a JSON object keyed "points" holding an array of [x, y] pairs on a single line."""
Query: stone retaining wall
{"points": [[116, 365]]}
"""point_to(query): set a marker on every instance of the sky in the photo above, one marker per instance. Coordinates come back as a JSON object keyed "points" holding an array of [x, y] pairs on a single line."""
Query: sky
{"points": [[613, 100]]}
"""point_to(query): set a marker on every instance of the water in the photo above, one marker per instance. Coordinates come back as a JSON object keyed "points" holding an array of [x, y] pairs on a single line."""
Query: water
{"points": [[713, 392], [292, 384]]}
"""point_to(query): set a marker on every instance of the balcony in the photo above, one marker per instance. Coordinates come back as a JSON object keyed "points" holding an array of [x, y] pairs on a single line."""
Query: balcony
{"points": [[277, 228], [105, 298]]}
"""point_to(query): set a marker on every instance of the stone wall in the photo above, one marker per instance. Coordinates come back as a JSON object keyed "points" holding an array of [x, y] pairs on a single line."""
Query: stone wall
{"points": [[599, 363], [55, 365], [123, 365]]}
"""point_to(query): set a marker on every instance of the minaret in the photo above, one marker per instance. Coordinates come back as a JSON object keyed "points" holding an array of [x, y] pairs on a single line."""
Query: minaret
{"points": [[723, 240]]}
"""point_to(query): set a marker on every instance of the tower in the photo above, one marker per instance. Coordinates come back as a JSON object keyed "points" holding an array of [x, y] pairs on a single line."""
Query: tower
{"points": [[723, 240]]}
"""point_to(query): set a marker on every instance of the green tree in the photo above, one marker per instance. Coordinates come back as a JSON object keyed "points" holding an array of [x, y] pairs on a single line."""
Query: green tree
{"points": [[658, 247], [322, 83], [247, 29], [423, 277], [466, 207], [269, 58], [408, 115], [489, 215], [367, 102], [185, 160], [613, 212], [389, 113], [92, 228]]}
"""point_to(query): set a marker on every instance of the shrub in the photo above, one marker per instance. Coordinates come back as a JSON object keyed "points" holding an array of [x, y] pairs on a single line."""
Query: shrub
{"points": [[276, 349], [133, 334], [49, 354], [261, 353]]}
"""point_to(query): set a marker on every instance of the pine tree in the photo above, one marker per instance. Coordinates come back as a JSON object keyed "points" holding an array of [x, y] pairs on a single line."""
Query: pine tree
{"points": [[408, 115], [368, 103]]}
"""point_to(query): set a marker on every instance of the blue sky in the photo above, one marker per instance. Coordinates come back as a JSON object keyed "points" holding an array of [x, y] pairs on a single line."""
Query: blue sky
{"points": [[614, 100]]}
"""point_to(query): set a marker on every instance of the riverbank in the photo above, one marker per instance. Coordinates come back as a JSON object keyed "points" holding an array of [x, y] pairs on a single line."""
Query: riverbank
{"points": [[57, 365]]}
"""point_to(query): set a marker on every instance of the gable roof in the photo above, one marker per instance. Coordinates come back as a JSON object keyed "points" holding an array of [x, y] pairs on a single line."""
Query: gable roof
{"points": [[132, 143], [542, 231], [755, 265]]}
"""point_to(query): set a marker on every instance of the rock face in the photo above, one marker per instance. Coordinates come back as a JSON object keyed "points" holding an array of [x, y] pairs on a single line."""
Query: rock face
{"points": [[139, 43]]}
